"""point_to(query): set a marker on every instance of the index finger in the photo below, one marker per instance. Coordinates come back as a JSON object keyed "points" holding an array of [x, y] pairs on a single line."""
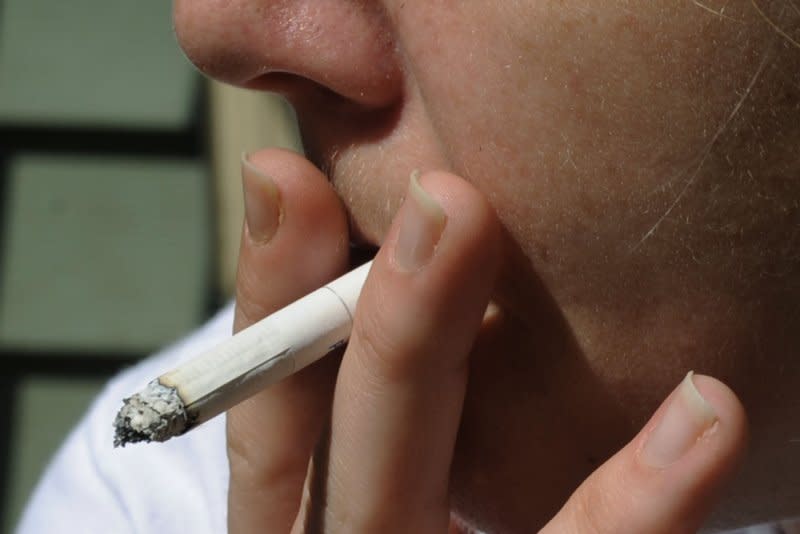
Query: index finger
{"points": [[295, 239]]}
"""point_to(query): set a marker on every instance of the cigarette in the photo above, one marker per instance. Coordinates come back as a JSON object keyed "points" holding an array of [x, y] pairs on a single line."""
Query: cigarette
{"points": [[268, 351]]}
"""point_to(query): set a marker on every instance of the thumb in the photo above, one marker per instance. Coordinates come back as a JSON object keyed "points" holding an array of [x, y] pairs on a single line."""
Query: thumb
{"points": [[667, 479]]}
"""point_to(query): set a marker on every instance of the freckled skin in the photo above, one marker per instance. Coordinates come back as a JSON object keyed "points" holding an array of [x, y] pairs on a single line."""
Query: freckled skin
{"points": [[642, 156]]}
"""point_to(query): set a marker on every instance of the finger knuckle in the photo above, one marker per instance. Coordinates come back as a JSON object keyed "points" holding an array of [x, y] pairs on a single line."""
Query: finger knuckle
{"points": [[385, 355], [592, 510], [250, 296], [250, 467]]}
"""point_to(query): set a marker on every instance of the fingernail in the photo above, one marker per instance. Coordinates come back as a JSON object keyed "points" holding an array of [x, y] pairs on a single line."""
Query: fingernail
{"points": [[687, 417], [262, 202], [421, 227]]}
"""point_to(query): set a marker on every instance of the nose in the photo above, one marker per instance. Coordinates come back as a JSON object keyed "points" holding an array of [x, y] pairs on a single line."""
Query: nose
{"points": [[289, 46]]}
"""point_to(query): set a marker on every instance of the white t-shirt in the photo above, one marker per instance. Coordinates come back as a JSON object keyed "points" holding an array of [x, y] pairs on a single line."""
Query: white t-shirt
{"points": [[177, 486]]}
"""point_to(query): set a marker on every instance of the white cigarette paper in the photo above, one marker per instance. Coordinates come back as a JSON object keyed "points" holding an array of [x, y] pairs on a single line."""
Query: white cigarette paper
{"points": [[266, 352]]}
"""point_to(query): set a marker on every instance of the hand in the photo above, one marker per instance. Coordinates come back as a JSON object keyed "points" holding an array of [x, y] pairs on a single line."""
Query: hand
{"points": [[380, 423]]}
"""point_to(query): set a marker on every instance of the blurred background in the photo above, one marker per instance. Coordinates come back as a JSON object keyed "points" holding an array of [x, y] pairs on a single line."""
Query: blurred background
{"points": [[120, 208]]}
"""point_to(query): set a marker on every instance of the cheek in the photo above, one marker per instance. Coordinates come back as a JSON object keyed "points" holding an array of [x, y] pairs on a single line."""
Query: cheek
{"points": [[616, 144], [640, 162]]}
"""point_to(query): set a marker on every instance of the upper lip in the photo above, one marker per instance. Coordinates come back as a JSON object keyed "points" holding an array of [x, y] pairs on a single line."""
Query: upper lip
{"points": [[332, 125], [325, 158], [333, 128]]}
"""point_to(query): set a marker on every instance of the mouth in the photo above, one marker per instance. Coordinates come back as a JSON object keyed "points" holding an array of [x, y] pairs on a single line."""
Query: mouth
{"points": [[359, 152], [363, 247], [359, 255], [366, 193]]}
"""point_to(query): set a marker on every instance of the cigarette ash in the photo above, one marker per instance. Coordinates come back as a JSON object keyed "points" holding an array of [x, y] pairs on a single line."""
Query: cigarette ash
{"points": [[156, 413]]}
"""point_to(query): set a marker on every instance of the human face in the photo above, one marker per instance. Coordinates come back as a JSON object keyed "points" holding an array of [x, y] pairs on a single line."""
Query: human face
{"points": [[641, 156]]}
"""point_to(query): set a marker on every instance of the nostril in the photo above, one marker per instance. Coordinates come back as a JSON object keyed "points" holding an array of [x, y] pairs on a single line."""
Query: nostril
{"points": [[298, 88], [292, 86]]}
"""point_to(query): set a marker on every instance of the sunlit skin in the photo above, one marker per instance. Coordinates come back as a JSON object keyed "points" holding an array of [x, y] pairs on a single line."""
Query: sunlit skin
{"points": [[642, 159]]}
